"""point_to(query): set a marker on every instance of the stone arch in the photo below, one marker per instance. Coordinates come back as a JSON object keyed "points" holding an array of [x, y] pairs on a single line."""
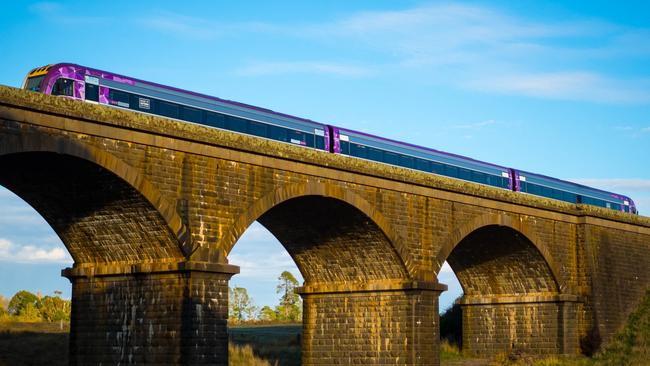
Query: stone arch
{"points": [[393, 255], [25, 156], [501, 220]]}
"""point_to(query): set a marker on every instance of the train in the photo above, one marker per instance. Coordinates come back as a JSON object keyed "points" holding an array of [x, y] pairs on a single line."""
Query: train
{"points": [[110, 89]]}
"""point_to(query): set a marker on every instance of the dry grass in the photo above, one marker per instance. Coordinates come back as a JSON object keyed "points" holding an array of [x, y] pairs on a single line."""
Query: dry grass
{"points": [[244, 356]]}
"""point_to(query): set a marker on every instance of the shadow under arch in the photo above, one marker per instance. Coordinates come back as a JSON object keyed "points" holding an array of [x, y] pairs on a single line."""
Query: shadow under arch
{"points": [[329, 208], [137, 223], [538, 249]]}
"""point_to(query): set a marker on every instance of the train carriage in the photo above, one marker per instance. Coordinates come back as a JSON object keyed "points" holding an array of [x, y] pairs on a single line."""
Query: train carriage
{"points": [[96, 86]]}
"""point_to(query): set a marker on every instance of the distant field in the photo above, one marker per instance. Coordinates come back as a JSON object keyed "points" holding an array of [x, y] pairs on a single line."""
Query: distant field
{"points": [[47, 343], [274, 343]]}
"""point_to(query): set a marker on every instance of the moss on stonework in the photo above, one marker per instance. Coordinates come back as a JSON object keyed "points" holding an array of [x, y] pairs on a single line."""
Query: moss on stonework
{"points": [[212, 136]]}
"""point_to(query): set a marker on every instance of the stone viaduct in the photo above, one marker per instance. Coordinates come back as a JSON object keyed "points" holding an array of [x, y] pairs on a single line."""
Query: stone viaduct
{"points": [[149, 209]]}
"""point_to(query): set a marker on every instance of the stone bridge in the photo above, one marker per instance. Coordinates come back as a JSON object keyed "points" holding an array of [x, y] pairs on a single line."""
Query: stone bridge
{"points": [[149, 209]]}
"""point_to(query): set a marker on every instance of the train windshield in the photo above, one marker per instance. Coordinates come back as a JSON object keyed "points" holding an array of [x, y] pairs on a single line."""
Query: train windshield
{"points": [[34, 83]]}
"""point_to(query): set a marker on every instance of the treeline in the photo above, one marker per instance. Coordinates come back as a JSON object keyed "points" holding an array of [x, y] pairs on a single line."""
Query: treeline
{"points": [[25, 306], [242, 308]]}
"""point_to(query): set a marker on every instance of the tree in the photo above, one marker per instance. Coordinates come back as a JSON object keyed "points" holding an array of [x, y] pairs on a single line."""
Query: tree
{"points": [[240, 305], [21, 300], [54, 308], [3, 309], [290, 307], [268, 314]]}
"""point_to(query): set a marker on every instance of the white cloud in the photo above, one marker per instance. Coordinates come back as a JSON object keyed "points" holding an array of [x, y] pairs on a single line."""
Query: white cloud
{"points": [[620, 184], [482, 48], [578, 85], [303, 67], [464, 46], [10, 251]]}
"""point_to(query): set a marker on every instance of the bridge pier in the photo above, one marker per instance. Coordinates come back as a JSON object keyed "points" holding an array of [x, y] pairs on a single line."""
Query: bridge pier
{"points": [[531, 324], [153, 314], [377, 323]]}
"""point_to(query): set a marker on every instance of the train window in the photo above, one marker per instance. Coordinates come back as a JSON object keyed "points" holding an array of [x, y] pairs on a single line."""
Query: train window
{"points": [[215, 120], [479, 177], [438, 168], [534, 189], [309, 139], [345, 147], [464, 174], [118, 96], [297, 137], [406, 161], [65, 87], [277, 133], [358, 150], [191, 114], [375, 154], [569, 197], [391, 158], [257, 129], [320, 142], [167, 109], [237, 124], [92, 92], [451, 171], [424, 165], [34, 84]]}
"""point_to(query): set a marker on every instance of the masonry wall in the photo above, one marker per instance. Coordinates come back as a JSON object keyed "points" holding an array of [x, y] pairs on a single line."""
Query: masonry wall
{"points": [[617, 265], [371, 328], [542, 328], [150, 318]]}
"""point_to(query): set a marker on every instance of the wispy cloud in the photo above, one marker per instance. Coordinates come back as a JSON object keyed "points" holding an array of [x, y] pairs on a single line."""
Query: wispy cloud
{"points": [[620, 184], [475, 125], [485, 49], [57, 13], [303, 67], [12, 252], [197, 28], [578, 85]]}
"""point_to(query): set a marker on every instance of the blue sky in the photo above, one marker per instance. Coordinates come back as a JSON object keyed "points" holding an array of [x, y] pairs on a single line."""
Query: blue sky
{"points": [[559, 88]]}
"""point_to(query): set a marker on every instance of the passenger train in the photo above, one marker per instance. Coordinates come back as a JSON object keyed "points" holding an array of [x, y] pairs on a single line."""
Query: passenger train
{"points": [[95, 86]]}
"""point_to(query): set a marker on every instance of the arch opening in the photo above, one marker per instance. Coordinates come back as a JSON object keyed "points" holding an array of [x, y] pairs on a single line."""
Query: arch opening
{"points": [[499, 260], [99, 217], [332, 241], [510, 295]]}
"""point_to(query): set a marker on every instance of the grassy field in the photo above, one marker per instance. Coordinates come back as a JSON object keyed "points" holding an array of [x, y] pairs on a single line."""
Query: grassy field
{"points": [[33, 344], [279, 345]]}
